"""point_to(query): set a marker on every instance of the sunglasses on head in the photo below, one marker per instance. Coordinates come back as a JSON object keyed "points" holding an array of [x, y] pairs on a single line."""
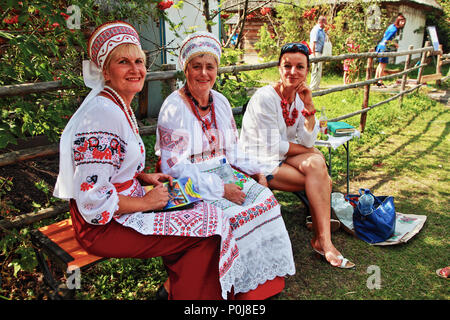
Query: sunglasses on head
{"points": [[297, 45]]}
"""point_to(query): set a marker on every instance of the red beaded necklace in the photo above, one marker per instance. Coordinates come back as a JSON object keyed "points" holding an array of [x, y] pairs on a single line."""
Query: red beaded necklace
{"points": [[207, 127], [284, 107]]}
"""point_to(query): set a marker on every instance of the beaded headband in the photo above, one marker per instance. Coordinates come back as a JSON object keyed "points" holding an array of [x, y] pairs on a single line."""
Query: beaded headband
{"points": [[107, 37], [196, 44]]}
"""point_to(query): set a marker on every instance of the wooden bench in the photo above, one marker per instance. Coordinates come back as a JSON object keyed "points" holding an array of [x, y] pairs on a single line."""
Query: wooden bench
{"points": [[58, 242]]}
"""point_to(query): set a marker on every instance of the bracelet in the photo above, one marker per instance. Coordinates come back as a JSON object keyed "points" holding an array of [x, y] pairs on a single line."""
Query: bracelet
{"points": [[307, 113]]}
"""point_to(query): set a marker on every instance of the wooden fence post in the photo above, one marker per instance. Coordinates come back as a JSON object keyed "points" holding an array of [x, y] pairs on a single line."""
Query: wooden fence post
{"points": [[362, 121], [422, 62], [439, 64], [143, 97], [405, 76], [143, 102], [172, 83]]}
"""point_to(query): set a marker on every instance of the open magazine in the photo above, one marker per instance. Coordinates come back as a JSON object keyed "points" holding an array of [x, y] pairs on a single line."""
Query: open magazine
{"points": [[182, 195]]}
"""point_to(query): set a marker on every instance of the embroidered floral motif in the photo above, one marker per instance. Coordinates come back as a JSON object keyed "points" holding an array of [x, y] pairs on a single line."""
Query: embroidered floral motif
{"points": [[101, 218], [86, 186], [98, 147], [89, 184]]}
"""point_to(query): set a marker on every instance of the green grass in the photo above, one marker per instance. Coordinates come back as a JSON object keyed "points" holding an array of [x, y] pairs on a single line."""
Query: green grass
{"points": [[403, 152]]}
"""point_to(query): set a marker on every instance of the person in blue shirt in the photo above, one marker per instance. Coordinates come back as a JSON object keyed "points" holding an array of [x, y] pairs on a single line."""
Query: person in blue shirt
{"points": [[317, 39], [389, 34]]}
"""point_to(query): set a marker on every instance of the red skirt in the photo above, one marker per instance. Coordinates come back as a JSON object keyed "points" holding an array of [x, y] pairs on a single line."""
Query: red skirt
{"points": [[192, 263]]}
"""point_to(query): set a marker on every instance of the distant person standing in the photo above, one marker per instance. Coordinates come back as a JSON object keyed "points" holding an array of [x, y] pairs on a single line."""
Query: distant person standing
{"points": [[350, 67], [382, 46], [316, 42]]}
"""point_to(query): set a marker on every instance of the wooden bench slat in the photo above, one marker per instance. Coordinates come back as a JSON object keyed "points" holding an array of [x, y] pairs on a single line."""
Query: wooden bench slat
{"points": [[82, 259], [56, 227], [63, 235]]}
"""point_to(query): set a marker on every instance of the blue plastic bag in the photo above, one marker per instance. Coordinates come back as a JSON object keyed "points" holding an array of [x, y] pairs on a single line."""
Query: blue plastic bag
{"points": [[377, 226]]}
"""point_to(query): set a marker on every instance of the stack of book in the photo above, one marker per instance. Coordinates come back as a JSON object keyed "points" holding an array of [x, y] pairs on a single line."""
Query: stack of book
{"points": [[340, 128]]}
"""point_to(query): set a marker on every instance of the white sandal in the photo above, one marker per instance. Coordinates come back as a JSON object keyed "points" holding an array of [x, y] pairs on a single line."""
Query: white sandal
{"points": [[345, 263]]}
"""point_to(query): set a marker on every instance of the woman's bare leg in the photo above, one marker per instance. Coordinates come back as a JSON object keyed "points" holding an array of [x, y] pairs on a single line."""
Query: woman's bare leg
{"points": [[380, 71], [309, 171]]}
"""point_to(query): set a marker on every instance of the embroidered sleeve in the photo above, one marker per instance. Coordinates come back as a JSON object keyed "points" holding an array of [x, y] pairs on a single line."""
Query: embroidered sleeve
{"points": [[173, 142], [98, 147], [97, 155]]}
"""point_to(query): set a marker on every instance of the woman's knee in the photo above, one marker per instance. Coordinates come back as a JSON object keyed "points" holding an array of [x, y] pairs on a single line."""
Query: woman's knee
{"points": [[315, 163]]}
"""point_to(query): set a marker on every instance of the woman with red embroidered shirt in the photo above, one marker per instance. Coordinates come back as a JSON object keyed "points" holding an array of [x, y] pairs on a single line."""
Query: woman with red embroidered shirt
{"points": [[102, 158], [197, 138], [279, 127]]}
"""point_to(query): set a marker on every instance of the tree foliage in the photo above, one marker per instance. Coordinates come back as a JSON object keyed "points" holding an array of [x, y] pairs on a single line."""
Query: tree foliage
{"points": [[43, 41], [293, 23]]}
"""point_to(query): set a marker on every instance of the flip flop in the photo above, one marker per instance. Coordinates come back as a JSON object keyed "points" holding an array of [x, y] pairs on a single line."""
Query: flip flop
{"points": [[443, 272], [334, 224]]}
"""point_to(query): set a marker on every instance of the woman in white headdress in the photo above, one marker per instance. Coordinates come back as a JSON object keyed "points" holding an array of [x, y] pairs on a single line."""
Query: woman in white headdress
{"points": [[102, 158], [197, 138]]}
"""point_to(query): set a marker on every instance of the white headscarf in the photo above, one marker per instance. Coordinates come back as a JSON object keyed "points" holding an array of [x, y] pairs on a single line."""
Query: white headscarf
{"points": [[101, 43]]}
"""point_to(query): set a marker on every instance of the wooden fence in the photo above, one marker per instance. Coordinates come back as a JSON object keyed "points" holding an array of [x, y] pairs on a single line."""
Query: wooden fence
{"points": [[170, 77]]}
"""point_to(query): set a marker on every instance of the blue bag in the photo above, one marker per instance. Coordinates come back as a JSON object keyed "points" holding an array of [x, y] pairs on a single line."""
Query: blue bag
{"points": [[377, 226]]}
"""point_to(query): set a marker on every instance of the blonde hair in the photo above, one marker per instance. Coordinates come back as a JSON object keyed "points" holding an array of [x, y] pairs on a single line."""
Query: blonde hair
{"points": [[126, 49]]}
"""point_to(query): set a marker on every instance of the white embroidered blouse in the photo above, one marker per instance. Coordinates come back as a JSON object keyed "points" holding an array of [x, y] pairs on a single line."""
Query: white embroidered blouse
{"points": [[107, 157], [181, 143], [264, 133]]}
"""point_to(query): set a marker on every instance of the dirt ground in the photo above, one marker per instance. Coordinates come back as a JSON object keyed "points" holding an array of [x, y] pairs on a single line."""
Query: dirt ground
{"points": [[24, 176]]}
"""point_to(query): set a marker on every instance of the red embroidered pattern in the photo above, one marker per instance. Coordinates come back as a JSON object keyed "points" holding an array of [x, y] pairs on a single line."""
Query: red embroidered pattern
{"points": [[198, 221], [253, 212], [86, 186], [102, 218], [98, 147], [171, 140], [124, 32]]}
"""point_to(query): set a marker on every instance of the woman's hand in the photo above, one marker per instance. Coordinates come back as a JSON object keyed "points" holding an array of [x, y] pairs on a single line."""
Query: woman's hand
{"points": [[157, 198], [155, 179], [261, 179], [305, 94], [234, 193]]}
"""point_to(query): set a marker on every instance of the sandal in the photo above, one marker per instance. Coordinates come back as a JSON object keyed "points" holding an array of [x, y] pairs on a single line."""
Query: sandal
{"points": [[443, 272], [334, 224], [345, 263]]}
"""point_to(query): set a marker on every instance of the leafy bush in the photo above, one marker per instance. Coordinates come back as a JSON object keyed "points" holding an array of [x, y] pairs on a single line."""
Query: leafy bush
{"points": [[234, 88]]}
